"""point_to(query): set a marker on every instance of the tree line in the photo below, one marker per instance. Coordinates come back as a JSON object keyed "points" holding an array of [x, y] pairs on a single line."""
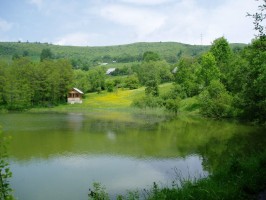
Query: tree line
{"points": [[224, 83], [25, 84]]}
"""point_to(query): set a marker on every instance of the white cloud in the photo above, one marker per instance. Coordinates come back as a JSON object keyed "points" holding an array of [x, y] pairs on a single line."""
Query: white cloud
{"points": [[4, 25], [147, 2], [109, 22], [37, 3], [143, 21], [187, 20], [231, 21], [77, 39]]}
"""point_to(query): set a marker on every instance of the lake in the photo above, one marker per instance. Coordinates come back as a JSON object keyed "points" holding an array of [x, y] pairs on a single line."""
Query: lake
{"points": [[60, 155]]}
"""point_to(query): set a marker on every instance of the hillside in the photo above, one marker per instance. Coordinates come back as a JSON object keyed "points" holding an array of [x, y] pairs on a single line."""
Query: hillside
{"points": [[170, 51]]}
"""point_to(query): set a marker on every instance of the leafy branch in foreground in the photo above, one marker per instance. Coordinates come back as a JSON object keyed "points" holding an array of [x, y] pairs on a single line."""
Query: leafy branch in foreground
{"points": [[5, 173], [258, 19]]}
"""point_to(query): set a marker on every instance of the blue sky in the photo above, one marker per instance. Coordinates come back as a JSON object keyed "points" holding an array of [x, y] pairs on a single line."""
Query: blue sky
{"points": [[113, 22]]}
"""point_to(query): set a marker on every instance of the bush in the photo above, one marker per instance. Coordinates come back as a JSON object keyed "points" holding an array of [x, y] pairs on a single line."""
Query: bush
{"points": [[148, 101], [98, 192], [109, 85], [132, 82], [173, 105], [215, 101]]}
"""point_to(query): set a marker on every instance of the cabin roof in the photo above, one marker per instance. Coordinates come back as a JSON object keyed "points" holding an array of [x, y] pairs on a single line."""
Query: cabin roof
{"points": [[110, 70], [77, 90]]}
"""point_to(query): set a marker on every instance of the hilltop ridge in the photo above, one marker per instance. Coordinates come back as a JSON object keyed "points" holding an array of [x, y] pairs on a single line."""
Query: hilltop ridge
{"points": [[170, 51]]}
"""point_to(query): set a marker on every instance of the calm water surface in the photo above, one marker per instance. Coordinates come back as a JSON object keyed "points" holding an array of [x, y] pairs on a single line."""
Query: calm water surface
{"points": [[59, 156]]}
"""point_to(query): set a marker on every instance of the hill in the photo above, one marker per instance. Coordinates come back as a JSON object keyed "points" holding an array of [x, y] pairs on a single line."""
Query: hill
{"points": [[90, 56]]}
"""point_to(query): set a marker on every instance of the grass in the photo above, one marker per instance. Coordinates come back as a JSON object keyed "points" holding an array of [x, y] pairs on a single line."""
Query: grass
{"points": [[119, 100], [190, 105], [114, 106]]}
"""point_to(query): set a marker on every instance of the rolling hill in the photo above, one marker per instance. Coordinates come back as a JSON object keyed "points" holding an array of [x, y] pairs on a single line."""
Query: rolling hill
{"points": [[170, 51]]}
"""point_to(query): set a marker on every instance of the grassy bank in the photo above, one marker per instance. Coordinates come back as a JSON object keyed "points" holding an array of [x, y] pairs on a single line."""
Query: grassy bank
{"points": [[120, 100]]}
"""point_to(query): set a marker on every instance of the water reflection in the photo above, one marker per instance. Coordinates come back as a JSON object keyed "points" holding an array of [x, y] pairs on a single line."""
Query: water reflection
{"points": [[69, 177], [111, 135], [59, 156]]}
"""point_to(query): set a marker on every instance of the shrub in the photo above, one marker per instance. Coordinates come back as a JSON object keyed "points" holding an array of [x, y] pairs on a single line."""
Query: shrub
{"points": [[215, 101], [148, 101], [109, 85]]}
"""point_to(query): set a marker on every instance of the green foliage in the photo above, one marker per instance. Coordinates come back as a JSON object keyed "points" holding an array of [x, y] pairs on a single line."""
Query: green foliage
{"points": [[87, 57], [165, 74], [222, 52], [98, 192], [173, 105], [15, 56], [132, 82], [237, 75], [154, 70], [208, 70], [109, 85], [126, 70], [17, 87], [259, 17], [150, 56], [81, 80], [253, 92], [46, 54], [175, 91], [148, 101], [28, 84], [96, 79], [186, 77], [215, 101], [2, 80], [147, 71], [152, 88], [5, 173]]}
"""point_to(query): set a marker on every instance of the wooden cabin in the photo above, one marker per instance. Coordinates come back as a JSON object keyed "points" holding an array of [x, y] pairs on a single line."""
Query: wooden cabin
{"points": [[75, 96]]}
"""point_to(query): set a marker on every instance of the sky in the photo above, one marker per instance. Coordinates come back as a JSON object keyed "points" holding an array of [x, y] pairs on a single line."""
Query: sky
{"points": [[116, 22]]}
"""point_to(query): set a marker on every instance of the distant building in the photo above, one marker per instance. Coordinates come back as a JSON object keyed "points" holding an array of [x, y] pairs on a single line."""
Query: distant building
{"points": [[75, 96], [103, 64], [175, 70], [110, 70]]}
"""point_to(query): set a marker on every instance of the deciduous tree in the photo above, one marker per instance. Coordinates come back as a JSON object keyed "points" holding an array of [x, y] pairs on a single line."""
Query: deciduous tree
{"points": [[208, 70]]}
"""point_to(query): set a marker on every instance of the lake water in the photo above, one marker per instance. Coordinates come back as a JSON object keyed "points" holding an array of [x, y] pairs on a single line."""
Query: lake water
{"points": [[59, 156]]}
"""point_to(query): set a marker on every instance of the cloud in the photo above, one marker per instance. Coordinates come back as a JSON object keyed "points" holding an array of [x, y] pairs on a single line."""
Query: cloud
{"points": [[146, 2], [142, 21], [4, 25], [110, 22], [38, 3], [231, 21], [77, 39], [187, 20]]}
